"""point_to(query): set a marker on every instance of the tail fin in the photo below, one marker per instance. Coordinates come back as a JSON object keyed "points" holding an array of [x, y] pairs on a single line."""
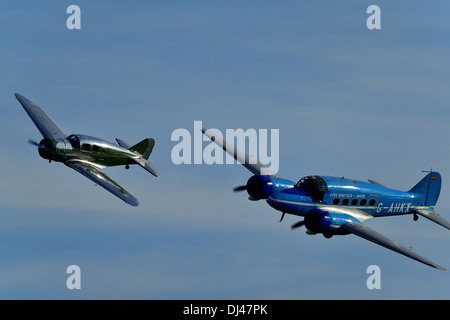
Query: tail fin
{"points": [[429, 187], [144, 148]]}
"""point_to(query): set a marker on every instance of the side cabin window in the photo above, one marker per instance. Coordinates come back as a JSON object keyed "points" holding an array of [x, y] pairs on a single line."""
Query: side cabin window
{"points": [[354, 202], [86, 147], [97, 149]]}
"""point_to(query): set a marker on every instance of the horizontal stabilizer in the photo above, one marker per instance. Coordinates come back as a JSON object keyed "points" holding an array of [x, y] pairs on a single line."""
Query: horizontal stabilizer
{"points": [[376, 183], [371, 235], [123, 144], [433, 216], [146, 165]]}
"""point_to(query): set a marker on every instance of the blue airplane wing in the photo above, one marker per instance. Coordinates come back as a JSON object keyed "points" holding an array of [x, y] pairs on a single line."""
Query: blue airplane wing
{"points": [[47, 127], [241, 156], [433, 216], [371, 235], [95, 174]]}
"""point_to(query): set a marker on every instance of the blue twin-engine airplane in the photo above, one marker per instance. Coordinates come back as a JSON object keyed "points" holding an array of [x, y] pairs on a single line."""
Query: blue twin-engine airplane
{"points": [[337, 205], [88, 155]]}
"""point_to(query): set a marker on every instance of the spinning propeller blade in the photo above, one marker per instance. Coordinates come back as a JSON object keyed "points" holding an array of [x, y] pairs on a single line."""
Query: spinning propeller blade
{"points": [[34, 143], [298, 224], [240, 188]]}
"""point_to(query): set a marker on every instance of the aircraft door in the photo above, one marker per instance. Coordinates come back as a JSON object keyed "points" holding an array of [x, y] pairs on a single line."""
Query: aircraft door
{"points": [[372, 203]]}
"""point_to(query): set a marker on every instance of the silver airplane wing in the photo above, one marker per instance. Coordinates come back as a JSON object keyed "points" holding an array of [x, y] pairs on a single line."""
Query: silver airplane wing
{"points": [[95, 174], [47, 127], [365, 232], [241, 156]]}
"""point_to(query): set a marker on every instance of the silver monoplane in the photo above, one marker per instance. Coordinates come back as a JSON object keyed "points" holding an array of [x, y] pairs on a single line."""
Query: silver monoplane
{"points": [[88, 155]]}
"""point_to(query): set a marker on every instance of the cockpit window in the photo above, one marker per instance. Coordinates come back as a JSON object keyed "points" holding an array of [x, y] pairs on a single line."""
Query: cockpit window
{"points": [[315, 186], [74, 141], [97, 149]]}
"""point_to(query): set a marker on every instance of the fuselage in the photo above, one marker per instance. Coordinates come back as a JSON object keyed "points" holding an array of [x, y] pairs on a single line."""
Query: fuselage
{"points": [[314, 192], [85, 148]]}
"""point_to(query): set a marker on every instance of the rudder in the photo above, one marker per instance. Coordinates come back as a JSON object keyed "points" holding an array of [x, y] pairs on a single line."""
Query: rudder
{"points": [[430, 187], [144, 148]]}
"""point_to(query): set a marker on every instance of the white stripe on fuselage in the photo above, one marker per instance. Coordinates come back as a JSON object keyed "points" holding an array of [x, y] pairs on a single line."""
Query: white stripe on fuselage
{"points": [[359, 213]]}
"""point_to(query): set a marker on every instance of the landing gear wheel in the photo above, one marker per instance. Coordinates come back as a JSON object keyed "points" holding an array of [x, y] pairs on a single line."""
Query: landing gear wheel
{"points": [[415, 217]]}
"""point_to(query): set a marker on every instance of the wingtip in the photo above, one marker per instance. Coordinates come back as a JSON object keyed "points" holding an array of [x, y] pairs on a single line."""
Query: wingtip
{"points": [[155, 174], [22, 99], [132, 202], [439, 267]]}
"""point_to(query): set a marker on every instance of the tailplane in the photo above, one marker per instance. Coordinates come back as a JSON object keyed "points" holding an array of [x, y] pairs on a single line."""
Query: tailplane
{"points": [[429, 187], [142, 150]]}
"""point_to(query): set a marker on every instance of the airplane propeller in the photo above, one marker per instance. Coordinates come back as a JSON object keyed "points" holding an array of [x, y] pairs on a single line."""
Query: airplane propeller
{"points": [[240, 188], [34, 143], [298, 224]]}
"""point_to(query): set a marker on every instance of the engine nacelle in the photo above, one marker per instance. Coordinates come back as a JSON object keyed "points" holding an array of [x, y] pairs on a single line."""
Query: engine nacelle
{"points": [[52, 149], [259, 187], [327, 223], [46, 149]]}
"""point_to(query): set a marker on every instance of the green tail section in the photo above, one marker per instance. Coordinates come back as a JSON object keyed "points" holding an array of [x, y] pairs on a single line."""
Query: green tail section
{"points": [[144, 148], [430, 187]]}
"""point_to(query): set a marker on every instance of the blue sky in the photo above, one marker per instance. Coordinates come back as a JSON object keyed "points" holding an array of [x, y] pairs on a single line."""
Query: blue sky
{"points": [[348, 101]]}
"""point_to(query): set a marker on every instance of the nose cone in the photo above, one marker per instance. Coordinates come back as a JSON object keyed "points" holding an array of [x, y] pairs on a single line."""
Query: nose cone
{"points": [[45, 149]]}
